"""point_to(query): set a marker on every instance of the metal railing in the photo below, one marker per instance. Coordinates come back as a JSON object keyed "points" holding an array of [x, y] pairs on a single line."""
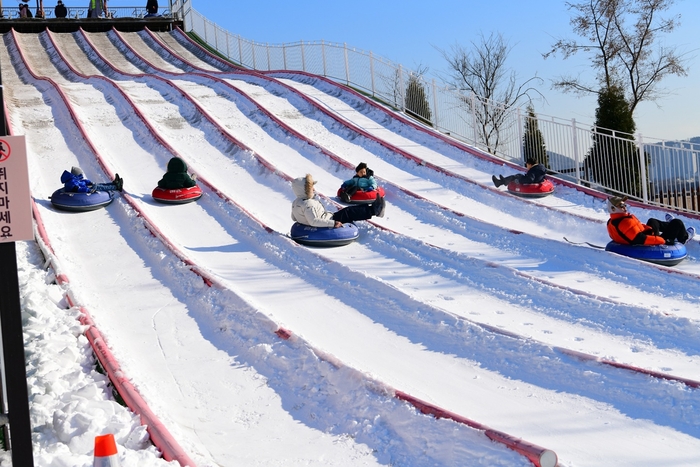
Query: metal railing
{"points": [[81, 12], [648, 169]]}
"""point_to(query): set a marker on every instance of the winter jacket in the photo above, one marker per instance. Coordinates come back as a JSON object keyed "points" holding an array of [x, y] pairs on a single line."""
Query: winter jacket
{"points": [[306, 209], [362, 183], [626, 229], [536, 174], [75, 183], [176, 177]]}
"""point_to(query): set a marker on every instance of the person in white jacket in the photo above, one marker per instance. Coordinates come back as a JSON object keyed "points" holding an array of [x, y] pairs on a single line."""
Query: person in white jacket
{"points": [[308, 210]]}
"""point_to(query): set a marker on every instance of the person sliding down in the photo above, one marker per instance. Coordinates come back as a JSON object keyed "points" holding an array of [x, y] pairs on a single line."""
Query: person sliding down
{"points": [[535, 174], [176, 176], [626, 229], [75, 182], [363, 180], [308, 210]]}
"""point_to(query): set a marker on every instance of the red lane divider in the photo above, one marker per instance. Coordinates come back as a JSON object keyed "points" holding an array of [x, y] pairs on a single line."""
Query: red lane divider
{"points": [[538, 455]]}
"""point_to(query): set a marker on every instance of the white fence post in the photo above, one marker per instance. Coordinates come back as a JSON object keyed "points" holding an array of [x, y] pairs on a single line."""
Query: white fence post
{"points": [[240, 51], [284, 56], [323, 54], [371, 72], [303, 58], [435, 106], [577, 155], [520, 133], [347, 64], [267, 47], [402, 95], [476, 135], [643, 169]]}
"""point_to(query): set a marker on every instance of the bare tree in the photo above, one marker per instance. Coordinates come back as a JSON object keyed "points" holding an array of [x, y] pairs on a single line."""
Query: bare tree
{"points": [[482, 71], [619, 35]]}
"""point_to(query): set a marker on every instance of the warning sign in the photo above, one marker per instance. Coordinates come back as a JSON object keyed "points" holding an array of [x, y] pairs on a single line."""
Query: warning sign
{"points": [[15, 195]]}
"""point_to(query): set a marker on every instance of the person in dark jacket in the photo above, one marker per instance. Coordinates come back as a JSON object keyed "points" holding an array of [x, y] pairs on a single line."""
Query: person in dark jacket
{"points": [[177, 177], [75, 182], [308, 210], [60, 11], [626, 229], [152, 7], [535, 174], [363, 180]]}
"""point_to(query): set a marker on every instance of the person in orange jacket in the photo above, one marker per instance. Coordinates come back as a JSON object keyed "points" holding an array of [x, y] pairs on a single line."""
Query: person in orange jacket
{"points": [[626, 229]]}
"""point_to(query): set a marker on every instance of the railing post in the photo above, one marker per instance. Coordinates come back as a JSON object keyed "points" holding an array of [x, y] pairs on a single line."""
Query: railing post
{"points": [[303, 58], [347, 64], [577, 154], [402, 95], [323, 55], [520, 134], [371, 73], [284, 56], [476, 139], [252, 49], [267, 46], [228, 45], [240, 51], [643, 169], [435, 106]]}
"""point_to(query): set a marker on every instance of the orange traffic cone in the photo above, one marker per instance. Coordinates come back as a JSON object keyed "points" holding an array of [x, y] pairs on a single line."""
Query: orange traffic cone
{"points": [[105, 452]]}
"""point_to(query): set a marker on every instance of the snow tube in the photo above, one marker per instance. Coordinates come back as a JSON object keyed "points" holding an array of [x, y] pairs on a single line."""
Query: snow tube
{"points": [[324, 236], [533, 190], [364, 197], [666, 255], [177, 196], [80, 202]]}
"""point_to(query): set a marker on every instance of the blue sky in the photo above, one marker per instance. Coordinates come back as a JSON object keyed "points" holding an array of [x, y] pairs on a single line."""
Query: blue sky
{"points": [[413, 32]]}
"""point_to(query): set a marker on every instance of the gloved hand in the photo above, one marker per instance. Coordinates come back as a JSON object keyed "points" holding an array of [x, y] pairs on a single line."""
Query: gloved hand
{"points": [[670, 241], [193, 177]]}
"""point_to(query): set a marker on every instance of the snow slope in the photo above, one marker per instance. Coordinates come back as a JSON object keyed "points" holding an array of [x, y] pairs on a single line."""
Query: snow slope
{"points": [[462, 296]]}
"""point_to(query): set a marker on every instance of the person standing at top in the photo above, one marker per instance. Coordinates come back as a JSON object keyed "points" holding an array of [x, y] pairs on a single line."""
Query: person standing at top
{"points": [[152, 7], [535, 174], [60, 11]]}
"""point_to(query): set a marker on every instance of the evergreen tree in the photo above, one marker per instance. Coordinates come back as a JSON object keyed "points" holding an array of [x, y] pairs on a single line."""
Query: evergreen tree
{"points": [[613, 161], [533, 141], [417, 99]]}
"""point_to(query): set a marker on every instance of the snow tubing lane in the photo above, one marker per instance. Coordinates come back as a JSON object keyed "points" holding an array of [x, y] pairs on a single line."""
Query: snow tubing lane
{"points": [[177, 196], [364, 197], [665, 255], [324, 236], [80, 202], [533, 190]]}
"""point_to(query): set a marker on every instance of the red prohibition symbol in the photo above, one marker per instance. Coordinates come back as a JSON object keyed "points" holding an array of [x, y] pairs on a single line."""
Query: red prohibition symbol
{"points": [[4, 150]]}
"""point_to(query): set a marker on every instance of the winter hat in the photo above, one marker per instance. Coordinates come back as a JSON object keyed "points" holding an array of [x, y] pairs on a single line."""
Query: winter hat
{"points": [[360, 166], [616, 204], [76, 171]]}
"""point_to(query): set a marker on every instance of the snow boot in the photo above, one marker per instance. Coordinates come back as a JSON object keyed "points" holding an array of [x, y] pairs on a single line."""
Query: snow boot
{"points": [[344, 197], [691, 233], [669, 217], [496, 181], [118, 182], [379, 206]]}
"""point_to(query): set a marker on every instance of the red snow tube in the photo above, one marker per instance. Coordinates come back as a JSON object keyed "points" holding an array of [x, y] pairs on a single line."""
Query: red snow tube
{"points": [[178, 196], [364, 197], [534, 190]]}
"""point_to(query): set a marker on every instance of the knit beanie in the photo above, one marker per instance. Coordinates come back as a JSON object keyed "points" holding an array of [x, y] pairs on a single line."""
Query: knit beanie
{"points": [[360, 166], [76, 171]]}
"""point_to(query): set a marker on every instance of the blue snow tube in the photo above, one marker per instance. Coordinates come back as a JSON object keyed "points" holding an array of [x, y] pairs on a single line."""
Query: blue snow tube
{"points": [[324, 236], [79, 202], [666, 255]]}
